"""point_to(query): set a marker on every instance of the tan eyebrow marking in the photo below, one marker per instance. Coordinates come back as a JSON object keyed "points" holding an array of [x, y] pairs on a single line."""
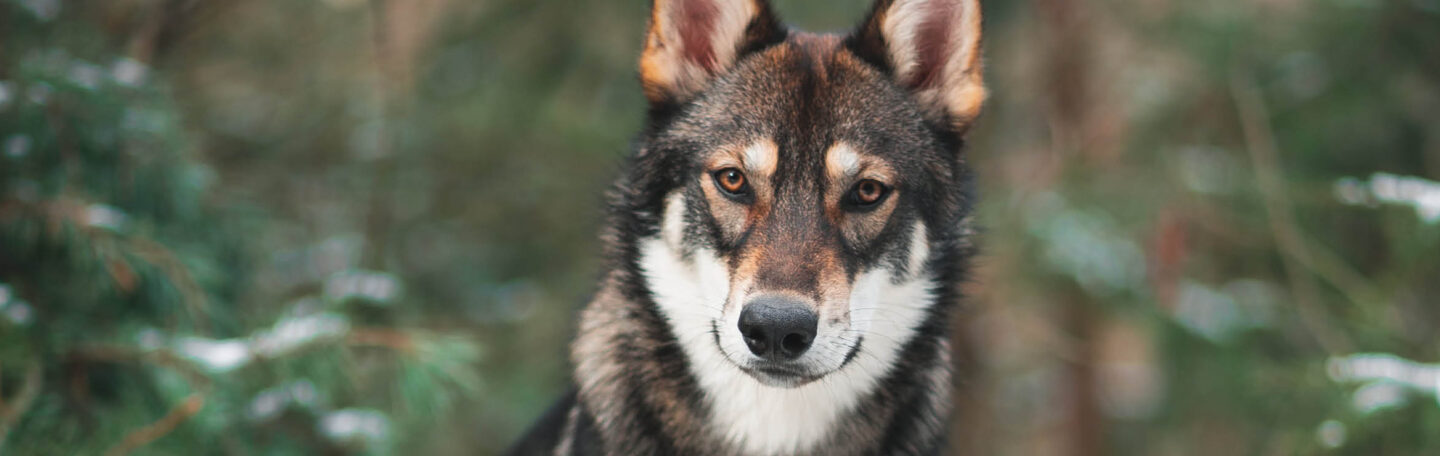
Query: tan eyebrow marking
{"points": [[762, 156], [841, 161], [758, 159], [844, 163]]}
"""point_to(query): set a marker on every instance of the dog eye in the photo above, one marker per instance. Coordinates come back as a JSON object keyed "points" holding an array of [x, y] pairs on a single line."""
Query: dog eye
{"points": [[868, 192], [731, 181]]}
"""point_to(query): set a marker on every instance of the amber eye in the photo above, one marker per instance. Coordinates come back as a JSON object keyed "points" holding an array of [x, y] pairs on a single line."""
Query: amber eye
{"points": [[732, 181], [868, 192]]}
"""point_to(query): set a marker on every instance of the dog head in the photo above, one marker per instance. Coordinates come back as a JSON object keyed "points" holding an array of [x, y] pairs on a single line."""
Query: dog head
{"points": [[799, 196]]}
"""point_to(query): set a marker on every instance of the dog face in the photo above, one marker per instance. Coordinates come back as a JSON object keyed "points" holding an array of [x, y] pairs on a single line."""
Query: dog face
{"points": [[802, 187]]}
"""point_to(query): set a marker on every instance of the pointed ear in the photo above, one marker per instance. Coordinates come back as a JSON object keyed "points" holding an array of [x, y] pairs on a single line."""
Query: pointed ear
{"points": [[932, 48], [689, 42]]}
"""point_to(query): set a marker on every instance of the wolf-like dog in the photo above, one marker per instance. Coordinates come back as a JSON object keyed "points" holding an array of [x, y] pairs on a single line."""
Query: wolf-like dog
{"points": [[787, 243]]}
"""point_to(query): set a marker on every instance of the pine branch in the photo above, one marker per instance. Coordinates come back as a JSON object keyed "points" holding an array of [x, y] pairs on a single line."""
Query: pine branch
{"points": [[372, 337], [192, 295], [72, 211], [159, 357], [177, 415], [11, 413], [1295, 252], [165, 425]]}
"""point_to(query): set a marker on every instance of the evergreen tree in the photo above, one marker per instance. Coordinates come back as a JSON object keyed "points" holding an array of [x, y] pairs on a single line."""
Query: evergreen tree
{"points": [[123, 274]]}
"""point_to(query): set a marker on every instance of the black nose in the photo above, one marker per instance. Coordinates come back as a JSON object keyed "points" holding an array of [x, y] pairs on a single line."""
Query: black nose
{"points": [[778, 328]]}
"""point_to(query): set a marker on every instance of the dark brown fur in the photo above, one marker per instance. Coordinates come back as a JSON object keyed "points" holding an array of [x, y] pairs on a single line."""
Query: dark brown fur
{"points": [[636, 392]]}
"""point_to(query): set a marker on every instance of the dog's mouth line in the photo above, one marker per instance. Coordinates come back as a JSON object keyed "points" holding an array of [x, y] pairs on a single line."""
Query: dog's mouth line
{"points": [[779, 370], [790, 377]]}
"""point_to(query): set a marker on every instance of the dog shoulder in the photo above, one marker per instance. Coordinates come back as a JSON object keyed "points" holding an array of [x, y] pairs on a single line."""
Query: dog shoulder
{"points": [[564, 430]]}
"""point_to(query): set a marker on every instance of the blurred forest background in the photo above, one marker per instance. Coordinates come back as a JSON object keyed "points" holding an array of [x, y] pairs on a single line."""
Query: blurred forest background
{"points": [[364, 226]]}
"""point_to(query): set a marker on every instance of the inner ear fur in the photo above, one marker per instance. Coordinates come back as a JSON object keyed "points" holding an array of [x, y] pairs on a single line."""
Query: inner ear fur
{"points": [[690, 42], [932, 49]]}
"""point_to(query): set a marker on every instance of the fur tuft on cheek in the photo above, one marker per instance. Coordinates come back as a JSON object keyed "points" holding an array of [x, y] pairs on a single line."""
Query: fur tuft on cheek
{"points": [[672, 224]]}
